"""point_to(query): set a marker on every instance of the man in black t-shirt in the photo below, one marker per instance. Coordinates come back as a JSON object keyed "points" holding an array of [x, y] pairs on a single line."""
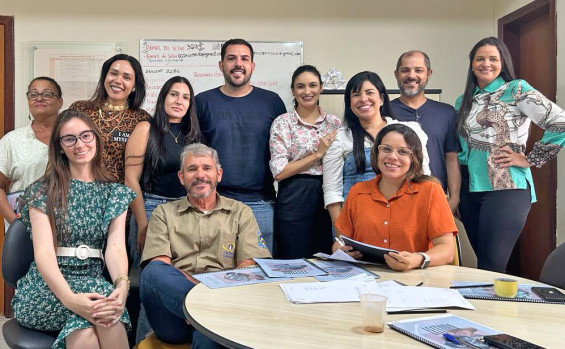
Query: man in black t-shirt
{"points": [[438, 120], [235, 119]]}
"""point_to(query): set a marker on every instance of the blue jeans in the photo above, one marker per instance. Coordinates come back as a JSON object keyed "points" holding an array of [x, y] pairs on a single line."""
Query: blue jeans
{"points": [[162, 289], [350, 174], [264, 212]]}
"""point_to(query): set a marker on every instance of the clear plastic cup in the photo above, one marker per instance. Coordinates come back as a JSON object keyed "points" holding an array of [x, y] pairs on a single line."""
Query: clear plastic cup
{"points": [[373, 309]]}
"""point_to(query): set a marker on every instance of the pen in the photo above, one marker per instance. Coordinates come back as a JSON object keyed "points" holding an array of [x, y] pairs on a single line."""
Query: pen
{"points": [[472, 286], [339, 241], [460, 340], [451, 338], [416, 311], [403, 284]]}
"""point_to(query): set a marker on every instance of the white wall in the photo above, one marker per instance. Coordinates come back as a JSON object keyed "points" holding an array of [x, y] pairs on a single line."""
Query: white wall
{"points": [[504, 7], [352, 35]]}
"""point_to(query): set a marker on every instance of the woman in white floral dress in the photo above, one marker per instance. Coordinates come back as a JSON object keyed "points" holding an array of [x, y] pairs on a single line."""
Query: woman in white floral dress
{"points": [[299, 140], [73, 212]]}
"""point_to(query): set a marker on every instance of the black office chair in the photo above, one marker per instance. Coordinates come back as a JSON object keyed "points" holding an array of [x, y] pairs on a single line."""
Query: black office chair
{"points": [[17, 255], [552, 271]]}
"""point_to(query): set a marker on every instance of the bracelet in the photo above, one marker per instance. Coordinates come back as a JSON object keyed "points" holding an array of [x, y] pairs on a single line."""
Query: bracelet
{"points": [[120, 279]]}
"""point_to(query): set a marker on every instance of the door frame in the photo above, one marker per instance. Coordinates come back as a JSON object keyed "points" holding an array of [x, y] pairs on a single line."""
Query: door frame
{"points": [[9, 72], [534, 246], [7, 121]]}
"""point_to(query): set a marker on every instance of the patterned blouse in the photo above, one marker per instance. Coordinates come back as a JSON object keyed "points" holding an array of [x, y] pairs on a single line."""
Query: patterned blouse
{"points": [[500, 116], [115, 128], [293, 139]]}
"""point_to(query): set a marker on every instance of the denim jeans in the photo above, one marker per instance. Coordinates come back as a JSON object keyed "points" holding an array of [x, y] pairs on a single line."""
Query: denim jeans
{"points": [[350, 174], [162, 289], [264, 212]]}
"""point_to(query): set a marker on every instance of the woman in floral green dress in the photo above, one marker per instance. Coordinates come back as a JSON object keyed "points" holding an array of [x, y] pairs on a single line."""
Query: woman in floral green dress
{"points": [[73, 212]]}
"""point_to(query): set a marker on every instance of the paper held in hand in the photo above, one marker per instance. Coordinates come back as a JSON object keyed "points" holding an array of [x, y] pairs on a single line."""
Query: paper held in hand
{"points": [[339, 255]]}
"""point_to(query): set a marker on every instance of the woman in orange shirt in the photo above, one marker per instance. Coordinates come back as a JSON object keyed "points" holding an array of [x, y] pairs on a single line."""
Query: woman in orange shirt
{"points": [[401, 209]]}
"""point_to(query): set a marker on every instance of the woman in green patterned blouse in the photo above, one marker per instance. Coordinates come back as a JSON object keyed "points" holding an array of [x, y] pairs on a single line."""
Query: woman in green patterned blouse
{"points": [[72, 213]]}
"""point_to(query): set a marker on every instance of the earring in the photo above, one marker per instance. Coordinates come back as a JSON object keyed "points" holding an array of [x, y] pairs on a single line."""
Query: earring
{"points": [[133, 89], [29, 116]]}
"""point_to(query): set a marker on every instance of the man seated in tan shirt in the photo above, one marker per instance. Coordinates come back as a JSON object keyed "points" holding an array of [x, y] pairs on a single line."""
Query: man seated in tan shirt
{"points": [[200, 233]]}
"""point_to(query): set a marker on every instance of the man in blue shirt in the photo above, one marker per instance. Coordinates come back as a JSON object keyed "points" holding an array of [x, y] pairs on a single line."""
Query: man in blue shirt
{"points": [[438, 120], [235, 119]]}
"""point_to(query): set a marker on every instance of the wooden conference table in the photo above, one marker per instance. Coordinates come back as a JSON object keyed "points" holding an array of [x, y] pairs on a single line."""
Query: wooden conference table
{"points": [[259, 316]]}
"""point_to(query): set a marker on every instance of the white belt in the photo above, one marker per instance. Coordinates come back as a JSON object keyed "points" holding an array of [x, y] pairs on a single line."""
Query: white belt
{"points": [[81, 252]]}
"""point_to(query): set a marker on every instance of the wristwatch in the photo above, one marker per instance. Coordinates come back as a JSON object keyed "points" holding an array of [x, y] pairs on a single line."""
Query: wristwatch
{"points": [[426, 260]]}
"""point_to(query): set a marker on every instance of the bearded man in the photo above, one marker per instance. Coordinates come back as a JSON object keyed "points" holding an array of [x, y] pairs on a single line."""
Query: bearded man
{"points": [[202, 232], [236, 119], [438, 120]]}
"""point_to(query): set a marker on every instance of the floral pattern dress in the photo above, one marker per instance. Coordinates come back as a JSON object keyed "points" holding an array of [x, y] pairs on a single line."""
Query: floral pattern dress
{"points": [[90, 208]]}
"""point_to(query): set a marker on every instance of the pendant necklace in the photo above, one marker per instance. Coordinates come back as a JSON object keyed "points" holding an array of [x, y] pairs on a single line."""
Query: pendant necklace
{"points": [[177, 136]]}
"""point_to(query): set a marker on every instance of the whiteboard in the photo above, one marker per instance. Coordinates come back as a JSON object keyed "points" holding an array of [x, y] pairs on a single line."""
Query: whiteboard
{"points": [[197, 60]]}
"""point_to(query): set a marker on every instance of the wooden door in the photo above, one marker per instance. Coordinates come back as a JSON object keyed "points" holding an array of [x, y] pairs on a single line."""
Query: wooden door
{"points": [[6, 122], [530, 34]]}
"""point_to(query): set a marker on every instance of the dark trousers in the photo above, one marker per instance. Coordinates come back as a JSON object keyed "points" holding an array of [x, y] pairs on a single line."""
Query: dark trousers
{"points": [[493, 221], [302, 224], [162, 289]]}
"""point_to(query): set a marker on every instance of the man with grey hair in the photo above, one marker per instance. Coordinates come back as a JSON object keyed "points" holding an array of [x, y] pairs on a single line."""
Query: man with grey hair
{"points": [[438, 120], [200, 233]]}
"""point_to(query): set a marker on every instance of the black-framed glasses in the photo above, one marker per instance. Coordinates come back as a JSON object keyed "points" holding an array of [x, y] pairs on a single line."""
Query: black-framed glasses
{"points": [[46, 95], [70, 140], [387, 149]]}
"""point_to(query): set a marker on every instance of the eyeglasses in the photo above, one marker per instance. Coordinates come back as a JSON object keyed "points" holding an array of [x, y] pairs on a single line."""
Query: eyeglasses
{"points": [[70, 140], [386, 149], [46, 95]]}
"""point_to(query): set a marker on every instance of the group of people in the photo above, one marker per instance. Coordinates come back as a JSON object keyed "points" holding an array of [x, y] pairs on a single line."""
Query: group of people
{"points": [[392, 175]]}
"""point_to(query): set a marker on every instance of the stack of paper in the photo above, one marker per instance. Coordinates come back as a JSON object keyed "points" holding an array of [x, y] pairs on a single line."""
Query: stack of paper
{"points": [[338, 291], [399, 297], [413, 297]]}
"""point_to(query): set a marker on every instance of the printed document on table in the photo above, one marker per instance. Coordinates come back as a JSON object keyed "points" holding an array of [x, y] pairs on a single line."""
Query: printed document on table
{"points": [[413, 297], [340, 270], [295, 268], [339, 291]]}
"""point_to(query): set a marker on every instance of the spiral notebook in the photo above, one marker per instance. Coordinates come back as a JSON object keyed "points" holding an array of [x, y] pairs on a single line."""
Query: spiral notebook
{"points": [[430, 330], [524, 294]]}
